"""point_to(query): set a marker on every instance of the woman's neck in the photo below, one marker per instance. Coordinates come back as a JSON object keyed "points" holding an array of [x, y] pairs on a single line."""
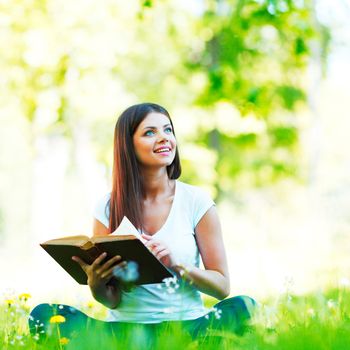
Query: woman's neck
{"points": [[156, 183]]}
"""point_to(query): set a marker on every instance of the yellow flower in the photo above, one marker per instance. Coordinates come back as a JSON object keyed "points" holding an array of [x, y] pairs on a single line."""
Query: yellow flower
{"points": [[9, 302], [24, 296], [64, 341], [90, 304], [57, 319]]}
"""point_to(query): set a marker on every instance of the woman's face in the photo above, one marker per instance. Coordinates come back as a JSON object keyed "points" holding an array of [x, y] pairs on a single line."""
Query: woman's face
{"points": [[154, 141]]}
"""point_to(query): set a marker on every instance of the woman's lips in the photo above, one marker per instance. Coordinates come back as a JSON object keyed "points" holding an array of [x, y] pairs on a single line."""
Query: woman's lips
{"points": [[163, 151]]}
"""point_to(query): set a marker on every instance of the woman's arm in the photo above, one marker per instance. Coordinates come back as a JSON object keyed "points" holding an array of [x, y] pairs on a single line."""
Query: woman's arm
{"points": [[214, 280]]}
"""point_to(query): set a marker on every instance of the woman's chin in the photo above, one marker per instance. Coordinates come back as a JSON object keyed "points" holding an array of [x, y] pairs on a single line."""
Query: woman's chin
{"points": [[156, 165], [166, 161]]}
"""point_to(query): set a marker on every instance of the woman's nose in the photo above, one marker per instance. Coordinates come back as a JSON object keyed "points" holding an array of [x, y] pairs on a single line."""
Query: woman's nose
{"points": [[163, 136]]}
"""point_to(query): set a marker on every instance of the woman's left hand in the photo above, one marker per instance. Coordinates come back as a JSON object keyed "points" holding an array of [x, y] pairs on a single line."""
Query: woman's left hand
{"points": [[160, 250]]}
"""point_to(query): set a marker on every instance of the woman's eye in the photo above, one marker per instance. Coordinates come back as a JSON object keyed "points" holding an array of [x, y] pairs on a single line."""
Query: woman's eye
{"points": [[168, 130], [149, 133]]}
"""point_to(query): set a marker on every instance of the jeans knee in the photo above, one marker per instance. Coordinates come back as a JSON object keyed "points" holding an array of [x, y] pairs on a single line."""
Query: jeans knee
{"points": [[39, 317], [236, 312], [249, 303], [42, 321]]}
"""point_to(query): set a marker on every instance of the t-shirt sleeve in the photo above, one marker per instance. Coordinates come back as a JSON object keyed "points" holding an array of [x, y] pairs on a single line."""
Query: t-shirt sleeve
{"points": [[101, 210], [202, 202]]}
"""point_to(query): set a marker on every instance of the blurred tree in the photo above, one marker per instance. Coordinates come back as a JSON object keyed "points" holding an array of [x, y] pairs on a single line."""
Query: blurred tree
{"points": [[246, 58], [239, 64], [254, 55]]}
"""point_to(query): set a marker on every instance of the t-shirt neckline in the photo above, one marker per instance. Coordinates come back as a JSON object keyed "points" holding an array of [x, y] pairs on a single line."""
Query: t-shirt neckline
{"points": [[170, 212]]}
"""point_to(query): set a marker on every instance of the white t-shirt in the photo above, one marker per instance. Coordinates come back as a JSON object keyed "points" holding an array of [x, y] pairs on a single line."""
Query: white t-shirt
{"points": [[151, 303]]}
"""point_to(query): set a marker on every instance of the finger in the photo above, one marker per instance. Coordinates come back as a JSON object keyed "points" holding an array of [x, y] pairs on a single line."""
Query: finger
{"points": [[81, 262], [98, 260], [148, 237], [110, 272], [111, 262], [148, 243], [152, 243], [162, 254], [158, 249], [107, 275]]}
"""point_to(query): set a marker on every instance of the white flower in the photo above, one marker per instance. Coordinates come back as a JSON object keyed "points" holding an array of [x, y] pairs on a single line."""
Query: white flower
{"points": [[331, 304], [344, 282], [170, 280], [311, 312], [171, 284], [217, 312]]}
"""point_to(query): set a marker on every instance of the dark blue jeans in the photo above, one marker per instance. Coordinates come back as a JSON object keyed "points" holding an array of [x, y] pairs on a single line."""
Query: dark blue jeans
{"points": [[232, 314]]}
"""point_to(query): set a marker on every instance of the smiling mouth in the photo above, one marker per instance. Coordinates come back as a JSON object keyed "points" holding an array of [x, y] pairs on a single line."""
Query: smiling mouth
{"points": [[163, 150]]}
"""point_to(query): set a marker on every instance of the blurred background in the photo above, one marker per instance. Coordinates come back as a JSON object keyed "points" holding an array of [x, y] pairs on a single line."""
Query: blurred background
{"points": [[258, 92]]}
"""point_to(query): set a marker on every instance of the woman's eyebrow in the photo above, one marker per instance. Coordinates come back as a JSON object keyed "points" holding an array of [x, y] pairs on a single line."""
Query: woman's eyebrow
{"points": [[154, 127]]}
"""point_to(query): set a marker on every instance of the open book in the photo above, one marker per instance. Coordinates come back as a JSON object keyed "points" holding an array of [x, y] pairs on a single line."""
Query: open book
{"points": [[129, 246]]}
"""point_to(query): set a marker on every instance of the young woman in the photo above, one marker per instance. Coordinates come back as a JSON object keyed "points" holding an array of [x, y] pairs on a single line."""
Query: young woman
{"points": [[178, 222]]}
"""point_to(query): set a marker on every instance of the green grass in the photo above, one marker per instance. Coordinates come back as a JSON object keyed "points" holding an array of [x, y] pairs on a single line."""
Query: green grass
{"points": [[320, 320]]}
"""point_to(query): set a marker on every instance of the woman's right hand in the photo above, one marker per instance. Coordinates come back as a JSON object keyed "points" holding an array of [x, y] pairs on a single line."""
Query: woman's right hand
{"points": [[98, 274]]}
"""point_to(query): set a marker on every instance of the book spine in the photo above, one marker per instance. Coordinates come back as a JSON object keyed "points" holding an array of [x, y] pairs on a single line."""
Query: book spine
{"points": [[93, 253]]}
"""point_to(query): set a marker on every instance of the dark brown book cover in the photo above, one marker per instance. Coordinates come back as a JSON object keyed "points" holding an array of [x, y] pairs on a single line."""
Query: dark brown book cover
{"points": [[129, 247]]}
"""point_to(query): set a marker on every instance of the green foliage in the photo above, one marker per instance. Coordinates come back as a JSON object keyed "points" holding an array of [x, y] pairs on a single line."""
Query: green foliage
{"points": [[254, 56], [320, 320], [78, 68]]}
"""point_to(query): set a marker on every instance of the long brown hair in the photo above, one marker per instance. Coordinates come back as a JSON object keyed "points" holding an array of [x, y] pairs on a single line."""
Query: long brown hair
{"points": [[127, 186]]}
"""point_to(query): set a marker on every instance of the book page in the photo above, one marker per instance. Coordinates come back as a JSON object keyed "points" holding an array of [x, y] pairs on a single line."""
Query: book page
{"points": [[70, 240], [126, 228]]}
